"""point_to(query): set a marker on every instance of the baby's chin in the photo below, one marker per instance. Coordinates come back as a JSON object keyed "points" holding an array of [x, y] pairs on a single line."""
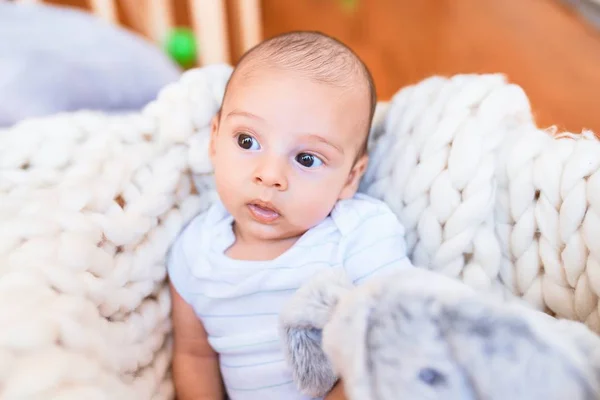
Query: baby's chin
{"points": [[279, 230]]}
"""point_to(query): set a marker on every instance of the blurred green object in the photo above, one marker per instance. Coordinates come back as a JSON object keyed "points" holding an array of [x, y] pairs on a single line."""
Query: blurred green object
{"points": [[180, 44], [349, 5]]}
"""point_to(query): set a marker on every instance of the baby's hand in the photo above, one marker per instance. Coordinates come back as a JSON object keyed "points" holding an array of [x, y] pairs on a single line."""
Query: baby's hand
{"points": [[337, 393]]}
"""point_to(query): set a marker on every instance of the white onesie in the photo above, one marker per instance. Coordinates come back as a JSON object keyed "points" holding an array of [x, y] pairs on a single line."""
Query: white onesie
{"points": [[239, 301]]}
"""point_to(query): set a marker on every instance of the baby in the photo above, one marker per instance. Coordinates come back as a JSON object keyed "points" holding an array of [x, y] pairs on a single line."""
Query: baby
{"points": [[288, 148]]}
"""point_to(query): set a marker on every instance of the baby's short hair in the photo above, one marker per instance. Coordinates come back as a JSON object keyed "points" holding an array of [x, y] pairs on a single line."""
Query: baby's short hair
{"points": [[319, 56]]}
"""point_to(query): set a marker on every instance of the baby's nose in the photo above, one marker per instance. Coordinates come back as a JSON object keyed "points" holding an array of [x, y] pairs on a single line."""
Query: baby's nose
{"points": [[271, 173]]}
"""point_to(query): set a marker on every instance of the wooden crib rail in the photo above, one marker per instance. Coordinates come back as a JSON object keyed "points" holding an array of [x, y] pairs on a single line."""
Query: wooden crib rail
{"points": [[211, 21]]}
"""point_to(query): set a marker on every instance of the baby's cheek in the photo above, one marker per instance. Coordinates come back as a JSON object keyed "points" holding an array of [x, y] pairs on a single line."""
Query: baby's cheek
{"points": [[228, 182], [231, 167], [313, 206]]}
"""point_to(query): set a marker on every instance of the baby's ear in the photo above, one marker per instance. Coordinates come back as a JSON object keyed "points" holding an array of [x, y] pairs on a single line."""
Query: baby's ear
{"points": [[356, 174], [301, 323], [214, 129]]}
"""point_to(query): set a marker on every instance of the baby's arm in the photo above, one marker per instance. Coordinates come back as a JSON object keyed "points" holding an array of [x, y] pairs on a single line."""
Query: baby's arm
{"points": [[196, 373]]}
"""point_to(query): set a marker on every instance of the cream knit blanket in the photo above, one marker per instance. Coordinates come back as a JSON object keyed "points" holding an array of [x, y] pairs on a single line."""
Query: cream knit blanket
{"points": [[89, 204]]}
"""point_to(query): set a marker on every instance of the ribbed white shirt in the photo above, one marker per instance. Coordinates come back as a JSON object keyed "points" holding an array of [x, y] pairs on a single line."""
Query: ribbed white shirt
{"points": [[239, 301]]}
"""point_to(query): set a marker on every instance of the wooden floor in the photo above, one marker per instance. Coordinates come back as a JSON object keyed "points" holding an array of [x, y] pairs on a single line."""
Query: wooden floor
{"points": [[538, 44]]}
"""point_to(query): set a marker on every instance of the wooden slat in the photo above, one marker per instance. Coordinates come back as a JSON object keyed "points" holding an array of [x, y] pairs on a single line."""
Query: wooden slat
{"points": [[249, 23], [105, 9], [152, 18], [160, 19], [210, 25]]}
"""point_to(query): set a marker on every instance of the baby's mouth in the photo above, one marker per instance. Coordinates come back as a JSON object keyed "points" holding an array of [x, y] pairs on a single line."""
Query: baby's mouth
{"points": [[263, 212]]}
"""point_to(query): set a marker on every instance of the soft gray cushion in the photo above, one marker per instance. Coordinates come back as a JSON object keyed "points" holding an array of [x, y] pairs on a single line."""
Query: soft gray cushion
{"points": [[56, 59]]}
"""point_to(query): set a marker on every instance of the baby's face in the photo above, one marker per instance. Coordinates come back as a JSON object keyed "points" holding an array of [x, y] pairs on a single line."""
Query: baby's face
{"points": [[284, 151]]}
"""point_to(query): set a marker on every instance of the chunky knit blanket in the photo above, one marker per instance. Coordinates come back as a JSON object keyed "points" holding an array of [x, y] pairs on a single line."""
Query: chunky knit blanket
{"points": [[488, 197], [90, 203]]}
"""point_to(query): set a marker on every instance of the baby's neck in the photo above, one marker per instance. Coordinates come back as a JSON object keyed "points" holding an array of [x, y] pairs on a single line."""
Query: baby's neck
{"points": [[253, 249]]}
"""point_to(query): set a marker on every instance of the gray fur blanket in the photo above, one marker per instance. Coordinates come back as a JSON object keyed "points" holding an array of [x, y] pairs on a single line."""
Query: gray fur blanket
{"points": [[419, 335]]}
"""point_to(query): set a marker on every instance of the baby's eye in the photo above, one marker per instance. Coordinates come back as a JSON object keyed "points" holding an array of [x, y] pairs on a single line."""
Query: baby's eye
{"points": [[308, 160], [247, 142]]}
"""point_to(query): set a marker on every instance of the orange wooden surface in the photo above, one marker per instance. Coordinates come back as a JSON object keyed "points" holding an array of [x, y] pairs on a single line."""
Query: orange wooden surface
{"points": [[541, 45]]}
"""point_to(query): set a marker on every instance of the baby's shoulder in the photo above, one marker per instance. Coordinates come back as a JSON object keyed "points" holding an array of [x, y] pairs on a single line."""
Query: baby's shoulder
{"points": [[373, 238], [362, 213]]}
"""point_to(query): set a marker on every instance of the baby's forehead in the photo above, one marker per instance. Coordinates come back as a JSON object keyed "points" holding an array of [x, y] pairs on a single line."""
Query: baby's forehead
{"points": [[255, 73], [287, 90], [341, 71]]}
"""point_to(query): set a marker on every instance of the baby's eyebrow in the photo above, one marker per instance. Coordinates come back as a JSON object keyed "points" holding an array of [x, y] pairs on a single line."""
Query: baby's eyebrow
{"points": [[325, 141], [241, 113]]}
